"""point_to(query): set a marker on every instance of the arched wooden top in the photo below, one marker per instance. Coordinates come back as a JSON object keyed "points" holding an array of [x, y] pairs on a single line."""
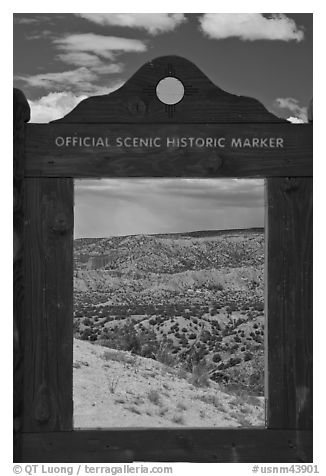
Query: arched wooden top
{"points": [[136, 101]]}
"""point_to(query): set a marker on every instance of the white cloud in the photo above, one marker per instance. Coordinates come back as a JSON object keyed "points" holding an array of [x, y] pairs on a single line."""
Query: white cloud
{"points": [[295, 120], [250, 26], [53, 106], [80, 58], [154, 23], [104, 46], [80, 81], [292, 105], [56, 105], [24, 20], [111, 68]]}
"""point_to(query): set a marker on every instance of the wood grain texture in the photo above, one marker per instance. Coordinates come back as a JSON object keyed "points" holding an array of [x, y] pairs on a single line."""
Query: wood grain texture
{"points": [[48, 304], [21, 115], [200, 446], [289, 303], [136, 101], [45, 158]]}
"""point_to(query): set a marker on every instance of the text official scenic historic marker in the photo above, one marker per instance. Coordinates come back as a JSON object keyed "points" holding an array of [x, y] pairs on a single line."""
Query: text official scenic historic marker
{"points": [[166, 142]]}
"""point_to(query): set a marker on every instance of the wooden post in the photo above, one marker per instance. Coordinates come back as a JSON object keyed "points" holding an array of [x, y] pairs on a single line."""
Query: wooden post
{"points": [[21, 115], [48, 272], [289, 303]]}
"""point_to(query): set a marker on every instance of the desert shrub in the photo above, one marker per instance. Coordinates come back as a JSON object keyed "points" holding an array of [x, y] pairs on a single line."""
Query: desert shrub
{"points": [[113, 383], [234, 361], [127, 337], [217, 358], [178, 419], [87, 321], [165, 356], [76, 326], [118, 356], [212, 400], [200, 375], [85, 334], [247, 356], [181, 406], [256, 379], [154, 397]]}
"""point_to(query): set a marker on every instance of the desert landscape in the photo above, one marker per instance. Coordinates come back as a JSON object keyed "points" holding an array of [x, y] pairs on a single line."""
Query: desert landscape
{"points": [[169, 330]]}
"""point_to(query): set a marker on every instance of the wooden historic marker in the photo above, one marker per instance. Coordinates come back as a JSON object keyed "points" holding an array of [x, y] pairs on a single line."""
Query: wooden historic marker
{"points": [[201, 132]]}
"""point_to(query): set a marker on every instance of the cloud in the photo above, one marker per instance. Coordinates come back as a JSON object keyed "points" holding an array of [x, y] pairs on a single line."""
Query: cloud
{"points": [[105, 46], [40, 35], [292, 105], [127, 206], [222, 192], [24, 20], [53, 106], [80, 58], [57, 104], [295, 120], [81, 80], [153, 23], [250, 26], [112, 68]]}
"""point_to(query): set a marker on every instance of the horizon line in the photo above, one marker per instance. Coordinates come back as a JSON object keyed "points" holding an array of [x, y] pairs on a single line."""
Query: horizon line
{"points": [[258, 228]]}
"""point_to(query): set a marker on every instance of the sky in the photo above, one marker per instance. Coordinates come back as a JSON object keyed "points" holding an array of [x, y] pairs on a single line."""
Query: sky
{"points": [[60, 59], [113, 207]]}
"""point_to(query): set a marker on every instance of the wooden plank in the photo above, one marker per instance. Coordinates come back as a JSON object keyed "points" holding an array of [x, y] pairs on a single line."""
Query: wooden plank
{"points": [[48, 305], [289, 303], [21, 113], [200, 445], [136, 101], [286, 150]]}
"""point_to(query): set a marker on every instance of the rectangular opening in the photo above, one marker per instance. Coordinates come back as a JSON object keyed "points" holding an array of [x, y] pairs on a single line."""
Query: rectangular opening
{"points": [[169, 303]]}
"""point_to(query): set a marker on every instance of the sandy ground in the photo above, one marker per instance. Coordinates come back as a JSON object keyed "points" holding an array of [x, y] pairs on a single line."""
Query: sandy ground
{"points": [[117, 389]]}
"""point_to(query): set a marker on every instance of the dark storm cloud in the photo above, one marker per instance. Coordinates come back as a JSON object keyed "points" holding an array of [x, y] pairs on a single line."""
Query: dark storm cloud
{"points": [[137, 206], [225, 191]]}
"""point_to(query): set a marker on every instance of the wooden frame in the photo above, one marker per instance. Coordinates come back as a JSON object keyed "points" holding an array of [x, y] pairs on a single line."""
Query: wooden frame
{"points": [[43, 222]]}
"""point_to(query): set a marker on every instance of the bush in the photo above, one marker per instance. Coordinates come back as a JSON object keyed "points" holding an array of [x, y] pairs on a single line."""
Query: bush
{"points": [[154, 397], [217, 358], [165, 356], [200, 375], [247, 356]]}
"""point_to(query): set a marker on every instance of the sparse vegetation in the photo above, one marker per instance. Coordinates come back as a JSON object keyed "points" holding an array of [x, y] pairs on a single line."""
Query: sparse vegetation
{"points": [[193, 303], [113, 383], [179, 419], [200, 374], [154, 397]]}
